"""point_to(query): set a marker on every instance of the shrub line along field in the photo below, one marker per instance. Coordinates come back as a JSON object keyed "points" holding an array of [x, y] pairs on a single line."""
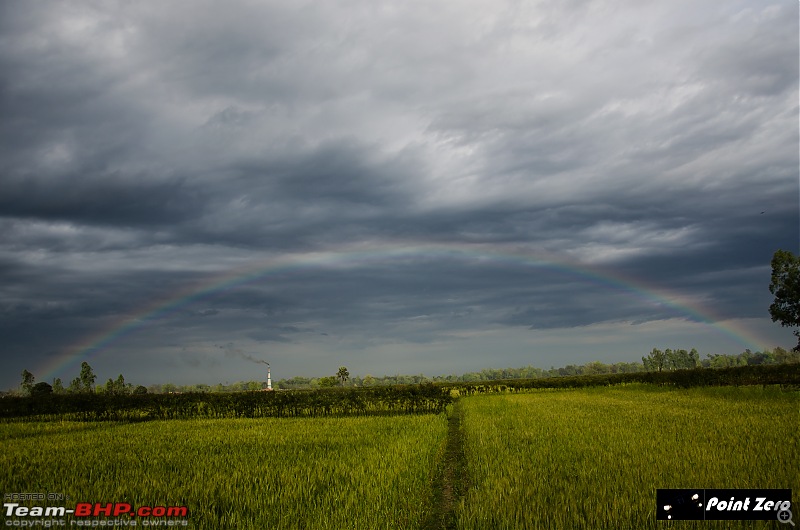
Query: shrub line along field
{"points": [[409, 399], [782, 374], [403, 399], [541, 458]]}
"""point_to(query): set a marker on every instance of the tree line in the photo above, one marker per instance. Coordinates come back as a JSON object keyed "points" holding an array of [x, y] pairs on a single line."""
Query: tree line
{"points": [[787, 376], [82, 384], [655, 361], [429, 398]]}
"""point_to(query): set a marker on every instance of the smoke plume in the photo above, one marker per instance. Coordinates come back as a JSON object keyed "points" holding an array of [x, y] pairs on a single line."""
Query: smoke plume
{"points": [[231, 351]]}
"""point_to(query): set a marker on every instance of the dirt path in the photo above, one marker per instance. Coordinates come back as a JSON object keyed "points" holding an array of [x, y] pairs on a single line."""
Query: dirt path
{"points": [[451, 484]]}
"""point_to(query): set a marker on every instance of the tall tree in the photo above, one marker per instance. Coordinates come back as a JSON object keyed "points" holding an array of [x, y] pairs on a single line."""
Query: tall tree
{"points": [[785, 285], [694, 358], [119, 385], [87, 377], [58, 386], [670, 359], [27, 382], [343, 374]]}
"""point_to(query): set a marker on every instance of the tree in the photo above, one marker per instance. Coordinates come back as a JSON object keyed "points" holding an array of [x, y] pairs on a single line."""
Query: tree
{"points": [[41, 389], [596, 367], [328, 381], [87, 377], [119, 385], [782, 356], [655, 361], [74, 386], [785, 285], [763, 357], [27, 382], [139, 390], [694, 358], [343, 374], [58, 386], [681, 359], [670, 359]]}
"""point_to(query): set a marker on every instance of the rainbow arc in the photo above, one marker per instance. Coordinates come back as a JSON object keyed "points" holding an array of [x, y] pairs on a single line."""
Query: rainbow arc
{"points": [[138, 319]]}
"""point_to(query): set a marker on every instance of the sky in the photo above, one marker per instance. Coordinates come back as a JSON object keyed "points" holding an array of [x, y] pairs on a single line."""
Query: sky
{"points": [[396, 187]]}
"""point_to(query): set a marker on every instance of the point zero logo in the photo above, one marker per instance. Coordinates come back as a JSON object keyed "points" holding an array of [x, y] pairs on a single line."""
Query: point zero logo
{"points": [[724, 504]]}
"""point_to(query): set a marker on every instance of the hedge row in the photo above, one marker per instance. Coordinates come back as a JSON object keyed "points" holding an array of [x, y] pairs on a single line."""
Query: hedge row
{"points": [[779, 374], [416, 399]]}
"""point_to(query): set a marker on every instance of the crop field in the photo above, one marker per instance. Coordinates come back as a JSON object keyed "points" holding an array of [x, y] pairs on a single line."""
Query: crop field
{"points": [[323, 473], [567, 458], [594, 458]]}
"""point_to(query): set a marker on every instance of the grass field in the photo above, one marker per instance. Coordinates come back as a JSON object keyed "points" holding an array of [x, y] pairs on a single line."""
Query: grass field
{"points": [[589, 458], [594, 458], [266, 473]]}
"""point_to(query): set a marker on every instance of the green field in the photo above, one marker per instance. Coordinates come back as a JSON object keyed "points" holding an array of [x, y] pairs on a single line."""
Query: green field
{"points": [[594, 458], [251, 473], [588, 458]]}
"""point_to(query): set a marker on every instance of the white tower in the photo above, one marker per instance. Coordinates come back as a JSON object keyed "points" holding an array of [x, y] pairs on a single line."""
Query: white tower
{"points": [[269, 378]]}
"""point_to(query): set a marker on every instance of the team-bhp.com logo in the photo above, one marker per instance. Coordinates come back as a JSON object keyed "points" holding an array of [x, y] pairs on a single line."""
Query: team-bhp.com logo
{"points": [[86, 514], [86, 509]]}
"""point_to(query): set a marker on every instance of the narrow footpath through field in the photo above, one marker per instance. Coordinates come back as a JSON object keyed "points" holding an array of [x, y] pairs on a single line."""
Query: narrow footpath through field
{"points": [[451, 483]]}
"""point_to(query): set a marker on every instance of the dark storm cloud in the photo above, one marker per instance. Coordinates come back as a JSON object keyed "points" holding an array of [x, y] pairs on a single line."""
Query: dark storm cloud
{"points": [[103, 200], [148, 151]]}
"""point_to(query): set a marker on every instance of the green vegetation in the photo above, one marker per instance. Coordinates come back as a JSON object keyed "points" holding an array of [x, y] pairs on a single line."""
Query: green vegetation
{"points": [[656, 360], [110, 406], [41, 389], [785, 285], [547, 458], [410, 399], [671, 359], [787, 375], [27, 382], [118, 386], [575, 447], [593, 458], [343, 374], [327, 473]]}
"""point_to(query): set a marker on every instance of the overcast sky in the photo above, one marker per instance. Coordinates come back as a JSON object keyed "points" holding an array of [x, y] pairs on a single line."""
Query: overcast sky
{"points": [[398, 187]]}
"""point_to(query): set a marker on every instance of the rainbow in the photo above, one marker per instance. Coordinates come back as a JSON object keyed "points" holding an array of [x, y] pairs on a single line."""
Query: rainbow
{"points": [[139, 318]]}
